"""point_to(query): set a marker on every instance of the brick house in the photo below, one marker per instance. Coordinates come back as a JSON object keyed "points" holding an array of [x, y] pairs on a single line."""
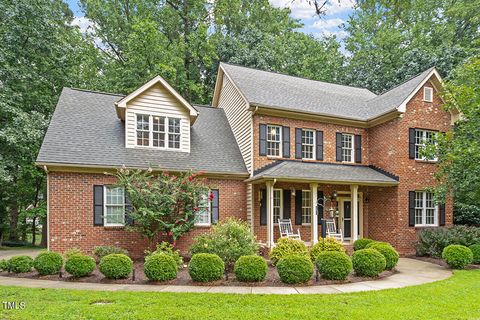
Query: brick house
{"points": [[271, 146]]}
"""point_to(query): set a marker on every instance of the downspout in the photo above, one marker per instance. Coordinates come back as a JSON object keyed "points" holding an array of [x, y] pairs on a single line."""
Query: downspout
{"points": [[47, 220]]}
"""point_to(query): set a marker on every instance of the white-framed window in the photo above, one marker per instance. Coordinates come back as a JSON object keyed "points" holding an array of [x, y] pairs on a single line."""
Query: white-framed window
{"points": [[274, 138], [155, 131], [158, 129], [347, 147], [114, 210], [422, 138], [143, 130], [426, 211], [306, 206], [427, 94], [174, 133], [308, 144], [277, 205], [204, 216]]}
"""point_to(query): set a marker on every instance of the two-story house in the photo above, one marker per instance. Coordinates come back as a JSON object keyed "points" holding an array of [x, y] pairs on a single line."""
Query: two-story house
{"points": [[271, 146]]}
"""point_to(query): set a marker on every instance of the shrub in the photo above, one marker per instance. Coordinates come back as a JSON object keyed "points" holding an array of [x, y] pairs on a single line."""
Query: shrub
{"points": [[102, 251], [368, 262], [457, 256], [168, 249], [327, 244], [116, 266], [391, 255], [250, 269], [20, 264], [432, 241], [160, 267], [48, 262], [205, 267], [72, 252], [476, 253], [79, 265], [229, 240], [334, 265], [374, 243], [295, 269], [361, 243], [286, 247], [3, 265]]}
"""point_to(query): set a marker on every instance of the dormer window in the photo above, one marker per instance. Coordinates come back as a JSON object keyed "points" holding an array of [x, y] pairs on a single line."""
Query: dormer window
{"points": [[427, 94], [143, 130], [151, 131]]}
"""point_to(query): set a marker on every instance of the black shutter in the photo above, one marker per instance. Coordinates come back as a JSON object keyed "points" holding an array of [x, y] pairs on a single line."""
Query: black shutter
{"points": [[286, 142], [286, 204], [442, 214], [320, 204], [298, 143], [263, 207], [319, 142], [411, 143], [298, 207], [339, 147], [98, 205], [128, 210], [263, 140], [411, 208], [358, 148], [215, 205]]}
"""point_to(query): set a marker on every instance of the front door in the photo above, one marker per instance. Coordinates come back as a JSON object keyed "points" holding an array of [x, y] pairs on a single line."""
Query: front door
{"points": [[345, 218]]}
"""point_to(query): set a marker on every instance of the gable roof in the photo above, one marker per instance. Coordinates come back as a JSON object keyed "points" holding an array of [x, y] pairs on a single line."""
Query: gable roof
{"points": [[85, 131]]}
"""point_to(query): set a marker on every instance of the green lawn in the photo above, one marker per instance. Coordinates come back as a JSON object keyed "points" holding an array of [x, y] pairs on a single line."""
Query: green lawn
{"points": [[454, 298]]}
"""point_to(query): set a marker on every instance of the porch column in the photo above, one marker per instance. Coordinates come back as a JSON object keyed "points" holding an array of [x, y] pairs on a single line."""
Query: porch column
{"points": [[354, 191], [313, 189], [269, 213]]}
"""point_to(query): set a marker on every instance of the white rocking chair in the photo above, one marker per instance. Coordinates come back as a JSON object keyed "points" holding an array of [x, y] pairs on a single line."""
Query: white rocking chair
{"points": [[286, 230], [332, 231]]}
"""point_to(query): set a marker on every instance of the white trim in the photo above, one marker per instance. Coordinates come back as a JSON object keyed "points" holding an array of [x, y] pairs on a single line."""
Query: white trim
{"points": [[422, 145], [347, 196], [280, 150], [209, 208], [105, 187], [403, 106], [309, 207], [353, 147], [48, 210], [425, 90], [313, 145], [424, 210], [150, 130]]}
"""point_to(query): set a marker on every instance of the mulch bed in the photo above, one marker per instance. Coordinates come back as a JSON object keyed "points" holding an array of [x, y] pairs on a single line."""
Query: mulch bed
{"points": [[441, 262]]}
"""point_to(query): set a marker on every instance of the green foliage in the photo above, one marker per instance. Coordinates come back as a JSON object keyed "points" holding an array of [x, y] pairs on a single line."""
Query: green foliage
{"points": [[79, 265], [3, 265], [48, 262], [206, 267], [295, 269], [160, 267], [116, 266], [102, 251], [334, 265], [374, 243], [432, 241], [457, 256], [250, 269], [368, 262], [475, 248], [168, 249], [391, 255], [229, 240], [327, 244], [361, 243], [286, 247], [20, 264], [71, 252]]}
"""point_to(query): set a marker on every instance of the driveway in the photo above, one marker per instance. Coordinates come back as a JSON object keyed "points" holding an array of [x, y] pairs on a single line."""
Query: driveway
{"points": [[10, 252]]}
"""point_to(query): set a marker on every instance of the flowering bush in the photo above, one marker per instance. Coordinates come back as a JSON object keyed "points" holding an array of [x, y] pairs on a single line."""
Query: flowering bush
{"points": [[168, 249]]}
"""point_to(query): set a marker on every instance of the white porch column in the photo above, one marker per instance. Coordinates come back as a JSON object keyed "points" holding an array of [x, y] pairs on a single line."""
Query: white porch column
{"points": [[354, 191], [313, 189], [269, 213]]}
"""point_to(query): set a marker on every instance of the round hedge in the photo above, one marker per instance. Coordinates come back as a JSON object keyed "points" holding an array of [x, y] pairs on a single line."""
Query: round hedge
{"points": [[391, 255], [295, 269], [20, 264], [79, 265], [3, 265], [250, 269], [325, 244], [205, 267], [361, 243], [48, 262], [116, 266], [476, 253], [286, 247], [368, 262], [369, 245], [457, 256], [160, 267], [334, 265]]}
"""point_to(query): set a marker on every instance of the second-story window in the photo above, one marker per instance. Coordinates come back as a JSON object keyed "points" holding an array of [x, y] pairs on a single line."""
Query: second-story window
{"points": [[274, 139], [156, 131], [347, 147], [174, 133], [428, 94], [143, 130], [308, 144], [422, 139]]}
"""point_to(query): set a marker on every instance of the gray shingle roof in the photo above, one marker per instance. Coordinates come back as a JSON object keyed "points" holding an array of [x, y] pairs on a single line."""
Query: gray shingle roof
{"points": [[275, 90], [85, 130], [326, 172]]}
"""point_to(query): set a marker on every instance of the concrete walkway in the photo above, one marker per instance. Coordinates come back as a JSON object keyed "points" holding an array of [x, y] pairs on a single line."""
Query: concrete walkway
{"points": [[411, 272]]}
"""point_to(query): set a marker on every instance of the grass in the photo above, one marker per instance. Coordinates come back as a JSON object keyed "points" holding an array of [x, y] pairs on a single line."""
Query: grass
{"points": [[454, 298]]}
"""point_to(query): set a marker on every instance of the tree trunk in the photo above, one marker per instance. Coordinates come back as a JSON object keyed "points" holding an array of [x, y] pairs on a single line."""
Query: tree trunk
{"points": [[24, 230], [34, 231], [43, 242], [13, 236]]}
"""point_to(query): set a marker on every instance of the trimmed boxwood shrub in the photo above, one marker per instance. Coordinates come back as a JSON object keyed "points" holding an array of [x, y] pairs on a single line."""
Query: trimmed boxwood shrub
{"points": [[250, 269], [160, 267], [20, 264], [72, 252], [369, 245], [79, 265], [476, 253], [48, 262], [168, 249], [361, 243], [102, 251], [295, 269], [116, 266], [287, 247], [205, 267], [391, 255], [368, 262], [325, 244], [334, 265], [457, 256]]}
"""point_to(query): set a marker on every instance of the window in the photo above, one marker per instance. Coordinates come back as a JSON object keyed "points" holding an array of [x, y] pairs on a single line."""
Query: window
{"points": [[427, 94], [306, 206], [347, 147], [277, 205], [114, 206], [158, 131], [204, 209], [174, 133], [143, 131], [273, 140], [152, 131], [308, 144], [426, 212], [423, 138]]}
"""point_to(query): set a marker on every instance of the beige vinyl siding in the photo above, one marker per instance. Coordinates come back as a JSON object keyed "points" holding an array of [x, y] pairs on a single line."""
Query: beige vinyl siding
{"points": [[157, 101]]}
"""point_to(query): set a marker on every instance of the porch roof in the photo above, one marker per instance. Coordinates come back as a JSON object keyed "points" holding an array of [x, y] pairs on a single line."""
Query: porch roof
{"points": [[297, 171]]}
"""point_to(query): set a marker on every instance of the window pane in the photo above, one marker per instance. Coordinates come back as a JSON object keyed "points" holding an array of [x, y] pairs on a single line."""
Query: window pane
{"points": [[347, 147], [174, 141], [306, 207], [203, 214], [273, 141], [114, 205], [307, 144], [173, 125], [277, 205], [142, 122]]}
